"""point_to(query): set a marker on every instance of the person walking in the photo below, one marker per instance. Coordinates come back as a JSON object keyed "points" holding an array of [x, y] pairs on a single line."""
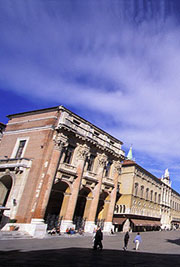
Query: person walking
{"points": [[98, 239], [137, 241], [126, 239]]}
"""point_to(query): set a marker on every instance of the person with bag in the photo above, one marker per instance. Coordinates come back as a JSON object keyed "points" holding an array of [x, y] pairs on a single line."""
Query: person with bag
{"points": [[137, 241]]}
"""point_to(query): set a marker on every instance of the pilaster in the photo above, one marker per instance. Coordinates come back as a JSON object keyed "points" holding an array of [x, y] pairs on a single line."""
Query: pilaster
{"points": [[102, 159], [81, 154], [59, 142], [117, 170]]}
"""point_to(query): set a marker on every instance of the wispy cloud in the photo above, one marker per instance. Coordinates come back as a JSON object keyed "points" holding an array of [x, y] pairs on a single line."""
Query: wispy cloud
{"points": [[117, 59]]}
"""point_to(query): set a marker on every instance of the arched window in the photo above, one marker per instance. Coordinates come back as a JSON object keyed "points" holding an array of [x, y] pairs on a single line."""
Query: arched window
{"points": [[151, 195], [159, 198], [147, 193], [120, 209], [142, 191], [136, 189], [155, 197], [117, 209]]}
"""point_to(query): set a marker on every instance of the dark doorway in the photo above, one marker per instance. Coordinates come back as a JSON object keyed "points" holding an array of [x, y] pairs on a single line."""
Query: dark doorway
{"points": [[78, 219], [54, 205]]}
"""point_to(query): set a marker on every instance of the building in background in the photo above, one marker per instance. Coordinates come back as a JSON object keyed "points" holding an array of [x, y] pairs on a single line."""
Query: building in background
{"points": [[58, 169], [145, 202]]}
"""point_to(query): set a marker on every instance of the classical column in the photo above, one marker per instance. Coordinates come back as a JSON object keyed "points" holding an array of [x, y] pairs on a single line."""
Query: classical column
{"points": [[88, 206], [108, 222], [90, 222], [81, 155], [47, 181], [64, 204]]}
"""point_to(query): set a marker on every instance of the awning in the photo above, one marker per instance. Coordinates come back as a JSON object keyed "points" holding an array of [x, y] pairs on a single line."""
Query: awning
{"points": [[145, 222], [119, 220], [157, 223]]}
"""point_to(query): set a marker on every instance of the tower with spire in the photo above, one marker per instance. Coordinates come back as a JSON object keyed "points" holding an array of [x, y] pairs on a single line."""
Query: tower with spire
{"points": [[130, 155], [166, 178]]}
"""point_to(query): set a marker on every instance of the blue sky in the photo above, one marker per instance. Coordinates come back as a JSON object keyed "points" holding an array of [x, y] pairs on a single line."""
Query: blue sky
{"points": [[114, 62]]}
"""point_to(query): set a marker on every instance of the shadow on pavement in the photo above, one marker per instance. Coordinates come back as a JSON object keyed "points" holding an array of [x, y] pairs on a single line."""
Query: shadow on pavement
{"points": [[174, 241], [86, 257]]}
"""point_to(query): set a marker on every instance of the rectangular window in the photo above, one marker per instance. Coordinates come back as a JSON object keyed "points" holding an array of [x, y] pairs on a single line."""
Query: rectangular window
{"points": [[69, 154], [76, 122], [159, 198], [142, 191], [90, 163], [20, 149], [107, 169]]}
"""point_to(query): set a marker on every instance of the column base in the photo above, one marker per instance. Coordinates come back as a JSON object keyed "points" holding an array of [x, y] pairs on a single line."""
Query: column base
{"points": [[37, 228], [66, 224], [37, 221], [89, 227], [108, 226]]}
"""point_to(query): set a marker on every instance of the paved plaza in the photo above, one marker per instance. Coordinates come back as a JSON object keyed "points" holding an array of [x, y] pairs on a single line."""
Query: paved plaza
{"points": [[157, 249]]}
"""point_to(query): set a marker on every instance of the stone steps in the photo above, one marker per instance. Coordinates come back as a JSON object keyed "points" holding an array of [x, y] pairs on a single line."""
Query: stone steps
{"points": [[7, 235]]}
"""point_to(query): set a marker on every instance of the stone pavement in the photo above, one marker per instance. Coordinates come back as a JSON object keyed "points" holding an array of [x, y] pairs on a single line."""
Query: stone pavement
{"points": [[157, 249]]}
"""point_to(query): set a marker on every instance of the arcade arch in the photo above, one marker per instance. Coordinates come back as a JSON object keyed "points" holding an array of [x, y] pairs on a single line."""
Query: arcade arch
{"points": [[57, 204], [102, 210], [82, 207], [5, 188]]}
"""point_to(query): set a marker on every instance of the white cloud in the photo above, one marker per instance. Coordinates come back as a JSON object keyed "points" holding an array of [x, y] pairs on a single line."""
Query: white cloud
{"points": [[92, 56]]}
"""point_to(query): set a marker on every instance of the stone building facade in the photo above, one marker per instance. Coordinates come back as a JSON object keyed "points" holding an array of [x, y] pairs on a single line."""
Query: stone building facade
{"points": [[57, 168], [2, 129], [145, 202]]}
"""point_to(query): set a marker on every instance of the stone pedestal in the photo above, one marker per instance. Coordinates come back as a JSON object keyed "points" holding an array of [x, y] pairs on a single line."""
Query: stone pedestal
{"points": [[38, 228]]}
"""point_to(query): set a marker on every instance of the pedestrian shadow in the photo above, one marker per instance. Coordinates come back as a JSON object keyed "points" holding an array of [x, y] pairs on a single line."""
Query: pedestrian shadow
{"points": [[84, 257], [174, 241]]}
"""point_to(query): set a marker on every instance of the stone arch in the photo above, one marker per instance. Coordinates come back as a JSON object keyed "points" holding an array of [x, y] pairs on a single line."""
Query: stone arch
{"points": [[6, 182], [103, 205], [82, 207], [57, 203]]}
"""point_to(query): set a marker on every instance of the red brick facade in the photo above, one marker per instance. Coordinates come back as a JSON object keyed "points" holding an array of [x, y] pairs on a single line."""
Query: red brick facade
{"points": [[44, 152]]}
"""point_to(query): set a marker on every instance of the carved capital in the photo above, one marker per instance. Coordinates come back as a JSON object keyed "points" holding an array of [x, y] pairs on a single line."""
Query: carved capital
{"points": [[82, 152], [117, 166], [102, 159], [60, 141]]}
